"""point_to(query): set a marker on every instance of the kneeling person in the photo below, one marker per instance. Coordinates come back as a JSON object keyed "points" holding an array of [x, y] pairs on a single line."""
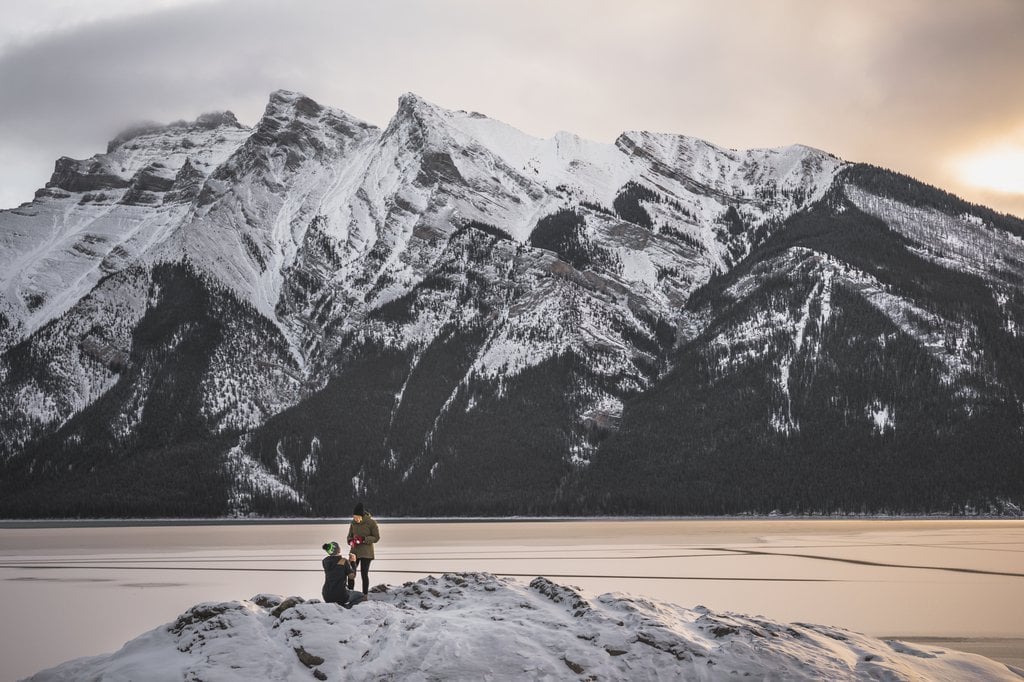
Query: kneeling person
{"points": [[337, 569]]}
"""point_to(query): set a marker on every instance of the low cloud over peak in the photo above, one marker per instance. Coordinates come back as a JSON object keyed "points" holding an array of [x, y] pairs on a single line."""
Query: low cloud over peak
{"points": [[908, 86]]}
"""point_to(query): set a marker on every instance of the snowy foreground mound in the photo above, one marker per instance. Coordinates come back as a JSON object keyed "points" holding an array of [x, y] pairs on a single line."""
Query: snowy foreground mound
{"points": [[476, 626]]}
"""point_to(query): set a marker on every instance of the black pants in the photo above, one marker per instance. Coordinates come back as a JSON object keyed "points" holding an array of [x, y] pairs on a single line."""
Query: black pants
{"points": [[364, 570]]}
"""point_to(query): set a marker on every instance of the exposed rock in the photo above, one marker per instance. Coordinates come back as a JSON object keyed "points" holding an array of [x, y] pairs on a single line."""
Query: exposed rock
{"points": [[573, 666], [307, 659], [84, 176], [285, 605], [267, 601]]}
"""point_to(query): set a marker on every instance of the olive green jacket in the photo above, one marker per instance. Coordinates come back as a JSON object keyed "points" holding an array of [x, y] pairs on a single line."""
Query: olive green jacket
{"points": [[369, 532]]}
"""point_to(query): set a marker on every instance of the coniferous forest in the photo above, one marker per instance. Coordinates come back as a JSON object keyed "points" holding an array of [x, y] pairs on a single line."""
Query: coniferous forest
{"points": [[782, 384]]}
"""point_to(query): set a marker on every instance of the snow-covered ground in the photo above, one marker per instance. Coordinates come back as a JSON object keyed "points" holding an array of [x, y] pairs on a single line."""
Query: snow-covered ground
{"points": [[477, 626]]}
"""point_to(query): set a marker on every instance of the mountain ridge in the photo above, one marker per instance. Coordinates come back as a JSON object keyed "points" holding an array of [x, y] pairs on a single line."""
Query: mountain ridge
{"points": [[449, 305]]}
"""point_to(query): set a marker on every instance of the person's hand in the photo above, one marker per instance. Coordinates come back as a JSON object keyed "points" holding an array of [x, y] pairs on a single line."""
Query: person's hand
{"points": [[352, 558]]}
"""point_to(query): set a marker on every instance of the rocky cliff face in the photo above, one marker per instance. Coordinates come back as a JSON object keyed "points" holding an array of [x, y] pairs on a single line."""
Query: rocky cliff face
{"points": [[450, 316]]}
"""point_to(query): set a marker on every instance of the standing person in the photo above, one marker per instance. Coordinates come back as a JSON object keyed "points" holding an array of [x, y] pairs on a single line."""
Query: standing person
{"points": [[336, 573], [362, 535]]}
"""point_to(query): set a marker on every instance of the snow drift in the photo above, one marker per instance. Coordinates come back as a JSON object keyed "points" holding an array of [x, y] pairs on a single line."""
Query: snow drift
{"points": [[478, 626]]}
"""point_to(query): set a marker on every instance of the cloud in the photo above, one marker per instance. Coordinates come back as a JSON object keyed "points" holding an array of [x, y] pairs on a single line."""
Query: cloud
{"points": [[28, 20], [907, 85]]}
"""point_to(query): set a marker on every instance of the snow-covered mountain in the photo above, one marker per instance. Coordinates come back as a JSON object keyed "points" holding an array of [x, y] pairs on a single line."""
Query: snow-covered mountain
{"points": [[449, 315], [476, 626]]}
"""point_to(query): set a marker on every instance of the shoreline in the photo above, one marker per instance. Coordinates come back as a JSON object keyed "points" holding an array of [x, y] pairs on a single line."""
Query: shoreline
{"points": [[304, 520], [1007, 650]]}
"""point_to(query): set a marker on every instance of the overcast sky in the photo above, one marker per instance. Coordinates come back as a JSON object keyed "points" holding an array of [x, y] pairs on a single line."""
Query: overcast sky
{"points": [[930, 88]]}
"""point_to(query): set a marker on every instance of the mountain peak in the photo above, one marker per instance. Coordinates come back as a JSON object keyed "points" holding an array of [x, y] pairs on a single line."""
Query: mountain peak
{"points": [[207, 121], [412, 100], [215, 119], [419, 118], [286, 105], [411, 104], [285, 95], [289, 103], [498, 276]]}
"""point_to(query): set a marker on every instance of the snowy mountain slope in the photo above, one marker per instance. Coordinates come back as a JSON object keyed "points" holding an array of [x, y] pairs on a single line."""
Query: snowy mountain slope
{"points": [[143, 446], [476, 626], [98, 216], [446, 312], [72, 361], [252, 214], [964, 242], [433, 171], [869, 374]]}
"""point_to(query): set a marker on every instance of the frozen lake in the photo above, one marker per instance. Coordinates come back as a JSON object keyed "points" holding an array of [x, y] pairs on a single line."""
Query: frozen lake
{"points": [[73, 591]]}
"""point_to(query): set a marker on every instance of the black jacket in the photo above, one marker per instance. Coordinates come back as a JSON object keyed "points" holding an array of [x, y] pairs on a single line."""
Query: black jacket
{"points": [[336, 572]]}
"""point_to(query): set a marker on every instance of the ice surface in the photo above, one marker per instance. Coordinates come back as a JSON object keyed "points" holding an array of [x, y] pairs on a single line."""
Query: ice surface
{"points": [[477, 626]]}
